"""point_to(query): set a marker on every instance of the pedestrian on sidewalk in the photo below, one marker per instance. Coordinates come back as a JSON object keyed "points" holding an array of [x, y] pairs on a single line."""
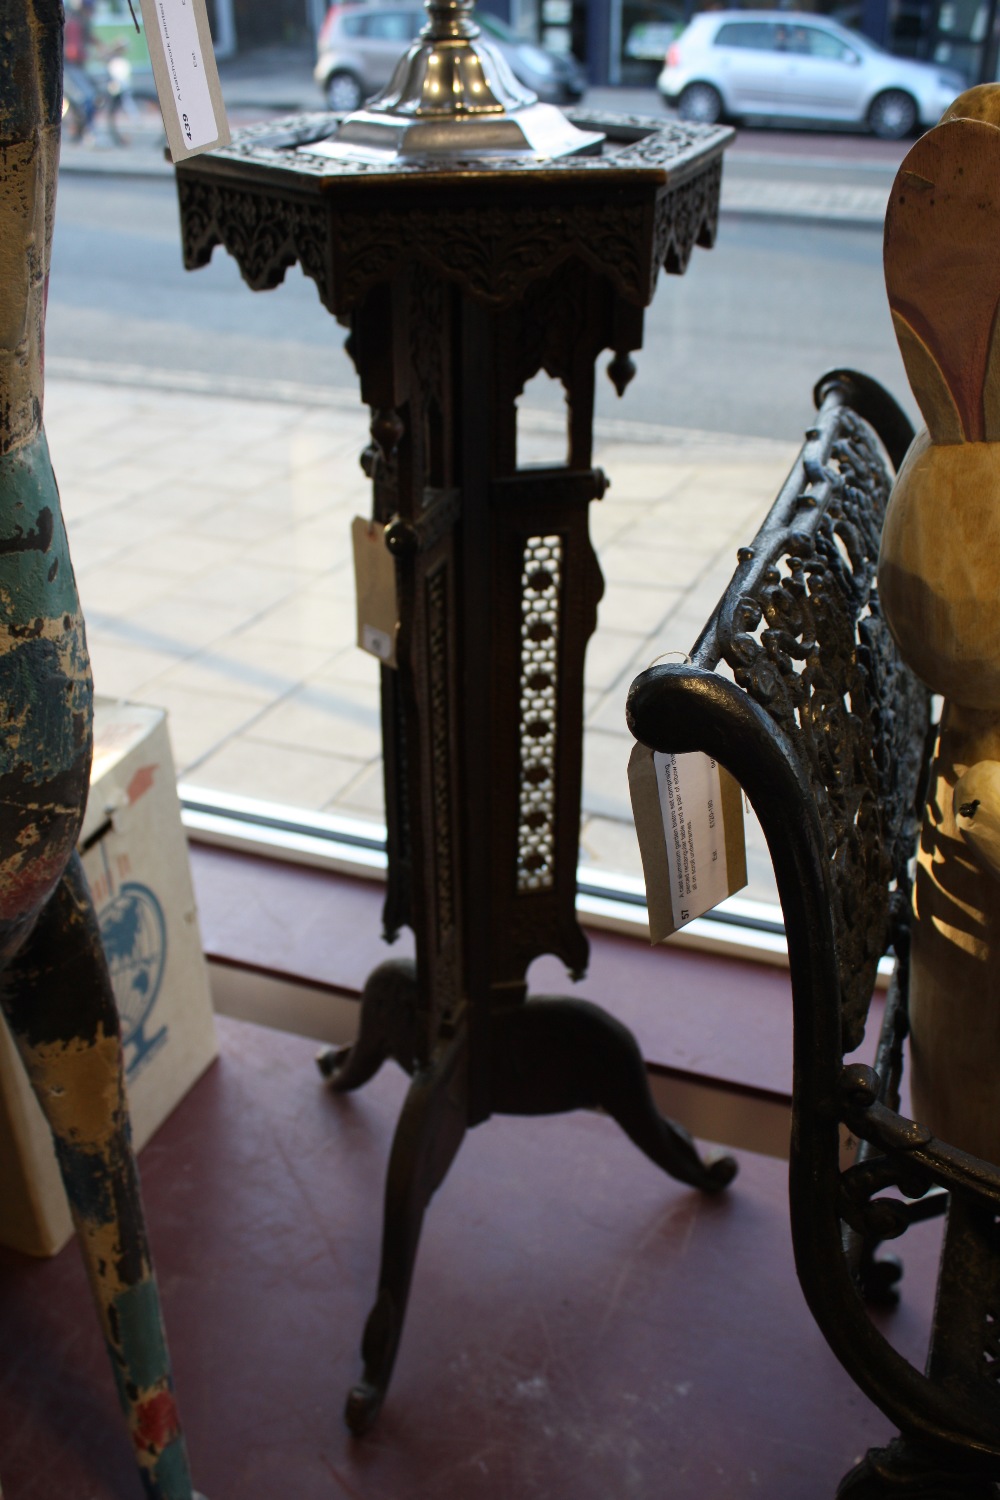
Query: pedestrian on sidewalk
{"points": [[84, 93], [79, 89]]}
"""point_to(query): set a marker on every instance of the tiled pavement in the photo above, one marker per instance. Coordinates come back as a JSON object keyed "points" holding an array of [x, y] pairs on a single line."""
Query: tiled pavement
{"points": [[210, 536]]}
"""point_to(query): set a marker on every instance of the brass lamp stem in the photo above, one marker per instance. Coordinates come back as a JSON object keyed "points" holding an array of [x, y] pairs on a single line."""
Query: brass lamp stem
{"points": [[453, 94]]}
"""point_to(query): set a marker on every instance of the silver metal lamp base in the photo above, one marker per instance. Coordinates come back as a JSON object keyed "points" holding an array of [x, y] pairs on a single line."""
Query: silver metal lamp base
{"points": [[538, 130], [453, 95]]}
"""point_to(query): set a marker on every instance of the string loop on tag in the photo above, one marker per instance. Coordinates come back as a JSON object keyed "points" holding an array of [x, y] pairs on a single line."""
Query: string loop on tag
{"points": [[684, 656], [135, 18]]}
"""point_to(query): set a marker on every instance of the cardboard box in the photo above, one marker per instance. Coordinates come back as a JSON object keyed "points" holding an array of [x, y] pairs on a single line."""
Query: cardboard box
{"points": [[135, 856]]}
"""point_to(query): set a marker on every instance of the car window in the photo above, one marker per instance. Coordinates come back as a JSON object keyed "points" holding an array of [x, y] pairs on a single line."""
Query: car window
{"points": [[760, 35], [392, 25], [352, 25], [818, 43]]}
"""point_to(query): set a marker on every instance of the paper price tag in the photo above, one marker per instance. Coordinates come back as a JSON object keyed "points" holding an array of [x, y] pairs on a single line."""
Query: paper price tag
{"points": [[375, 586], [689, 818], [186, 76]]}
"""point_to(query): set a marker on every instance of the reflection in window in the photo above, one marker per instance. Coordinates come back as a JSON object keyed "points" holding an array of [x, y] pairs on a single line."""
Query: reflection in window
{"points": [[759, 35], [392, 25], [824, 44]]}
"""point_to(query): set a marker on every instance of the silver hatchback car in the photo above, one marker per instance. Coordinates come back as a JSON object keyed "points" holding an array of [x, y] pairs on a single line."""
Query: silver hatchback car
{"points": [[734, 63]]}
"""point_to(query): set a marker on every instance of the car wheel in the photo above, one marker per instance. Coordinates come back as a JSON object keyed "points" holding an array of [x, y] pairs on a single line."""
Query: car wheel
{"points": [[700, 102], [892, 115], [344, 92]]}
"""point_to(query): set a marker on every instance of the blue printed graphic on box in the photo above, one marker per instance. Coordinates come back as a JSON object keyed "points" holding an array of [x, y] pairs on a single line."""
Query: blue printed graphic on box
{"points": [[135, 939]]}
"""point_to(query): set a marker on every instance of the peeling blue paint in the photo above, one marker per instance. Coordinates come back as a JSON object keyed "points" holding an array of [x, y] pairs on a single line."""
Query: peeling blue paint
{"points": [[88, 1188], [28, 484], [171, 1474], [44, 711], [141, 1334]]}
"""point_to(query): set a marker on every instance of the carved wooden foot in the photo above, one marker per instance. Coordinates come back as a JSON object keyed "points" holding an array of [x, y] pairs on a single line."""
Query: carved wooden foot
{"points": [[551, 1055], [57, 997], [387, 1028], [428, 1135], [904, 1471]]}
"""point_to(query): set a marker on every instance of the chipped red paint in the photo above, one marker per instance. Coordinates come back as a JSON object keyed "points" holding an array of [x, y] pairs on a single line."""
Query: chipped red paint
{"points": [[157, 1423], [141, 783], [25, 889]]}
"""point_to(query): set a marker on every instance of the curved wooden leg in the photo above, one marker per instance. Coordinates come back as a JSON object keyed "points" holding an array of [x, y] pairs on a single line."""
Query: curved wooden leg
{"points": [[904, 1471], [56, 995], [387, 1028], [551, 1055], [428, 1135]]}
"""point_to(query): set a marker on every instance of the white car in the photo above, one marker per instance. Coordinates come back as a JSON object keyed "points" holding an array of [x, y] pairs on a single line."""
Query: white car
{"points": [[733, 63]]}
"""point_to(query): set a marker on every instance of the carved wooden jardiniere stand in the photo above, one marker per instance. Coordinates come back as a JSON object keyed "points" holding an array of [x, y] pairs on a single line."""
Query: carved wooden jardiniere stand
{"points": [[459, 281]]}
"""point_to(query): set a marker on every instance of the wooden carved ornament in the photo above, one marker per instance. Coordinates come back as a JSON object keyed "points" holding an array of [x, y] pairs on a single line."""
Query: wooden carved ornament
{"points": [[939, 579]]}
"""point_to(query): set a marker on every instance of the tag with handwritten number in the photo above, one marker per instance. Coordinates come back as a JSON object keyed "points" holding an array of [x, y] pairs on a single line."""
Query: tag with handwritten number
{"points": [[186, 76], [375, 584], [688, 815]]}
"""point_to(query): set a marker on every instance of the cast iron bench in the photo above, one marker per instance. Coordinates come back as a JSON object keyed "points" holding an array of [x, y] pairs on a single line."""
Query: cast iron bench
{"points": [[796, 686]]}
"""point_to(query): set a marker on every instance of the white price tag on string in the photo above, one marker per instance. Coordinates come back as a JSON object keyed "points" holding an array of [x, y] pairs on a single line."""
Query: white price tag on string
{"points": [[186, 76], [688, 815], [375, 588]]}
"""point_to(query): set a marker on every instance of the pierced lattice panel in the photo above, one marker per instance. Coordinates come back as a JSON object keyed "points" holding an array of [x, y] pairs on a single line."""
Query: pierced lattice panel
{"points": [[991, 1347], [541, 579], [437, 654]]}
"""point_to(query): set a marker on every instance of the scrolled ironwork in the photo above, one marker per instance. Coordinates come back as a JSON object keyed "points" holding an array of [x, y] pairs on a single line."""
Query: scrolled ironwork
{"points": [[881, 1218], [801, 629], [796, 686]]}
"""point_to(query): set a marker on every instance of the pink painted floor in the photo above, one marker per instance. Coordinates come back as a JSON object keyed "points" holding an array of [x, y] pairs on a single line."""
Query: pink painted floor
{"points": [[580, 1326]]}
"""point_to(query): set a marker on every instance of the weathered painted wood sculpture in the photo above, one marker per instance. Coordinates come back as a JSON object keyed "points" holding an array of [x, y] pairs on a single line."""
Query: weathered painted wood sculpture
{"points": [[54, 986], [939, 578]]}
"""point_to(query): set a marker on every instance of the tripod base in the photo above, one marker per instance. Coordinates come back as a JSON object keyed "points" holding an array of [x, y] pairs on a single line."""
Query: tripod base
{"points": [[547, 1056]]}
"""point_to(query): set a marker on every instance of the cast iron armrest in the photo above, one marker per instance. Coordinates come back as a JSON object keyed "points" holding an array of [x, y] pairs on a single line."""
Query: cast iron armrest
{"points": [[796, 686]]}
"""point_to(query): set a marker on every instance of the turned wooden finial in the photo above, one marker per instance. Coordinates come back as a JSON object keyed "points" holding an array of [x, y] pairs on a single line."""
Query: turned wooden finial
{"points": [[939, 572], [943, 291]]}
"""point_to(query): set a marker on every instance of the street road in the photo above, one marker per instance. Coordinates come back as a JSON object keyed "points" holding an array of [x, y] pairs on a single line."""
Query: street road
{"points": [[734, 346]]}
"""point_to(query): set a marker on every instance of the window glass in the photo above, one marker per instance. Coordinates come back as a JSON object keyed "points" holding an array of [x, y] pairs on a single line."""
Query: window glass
{"points": [[207, 439], [823, 44], [647, 30], [392, 25], [759, 35]]}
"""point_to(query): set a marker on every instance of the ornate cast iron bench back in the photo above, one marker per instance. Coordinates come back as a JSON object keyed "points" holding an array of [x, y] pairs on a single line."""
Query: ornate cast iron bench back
{"points": [[796, 686]]}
